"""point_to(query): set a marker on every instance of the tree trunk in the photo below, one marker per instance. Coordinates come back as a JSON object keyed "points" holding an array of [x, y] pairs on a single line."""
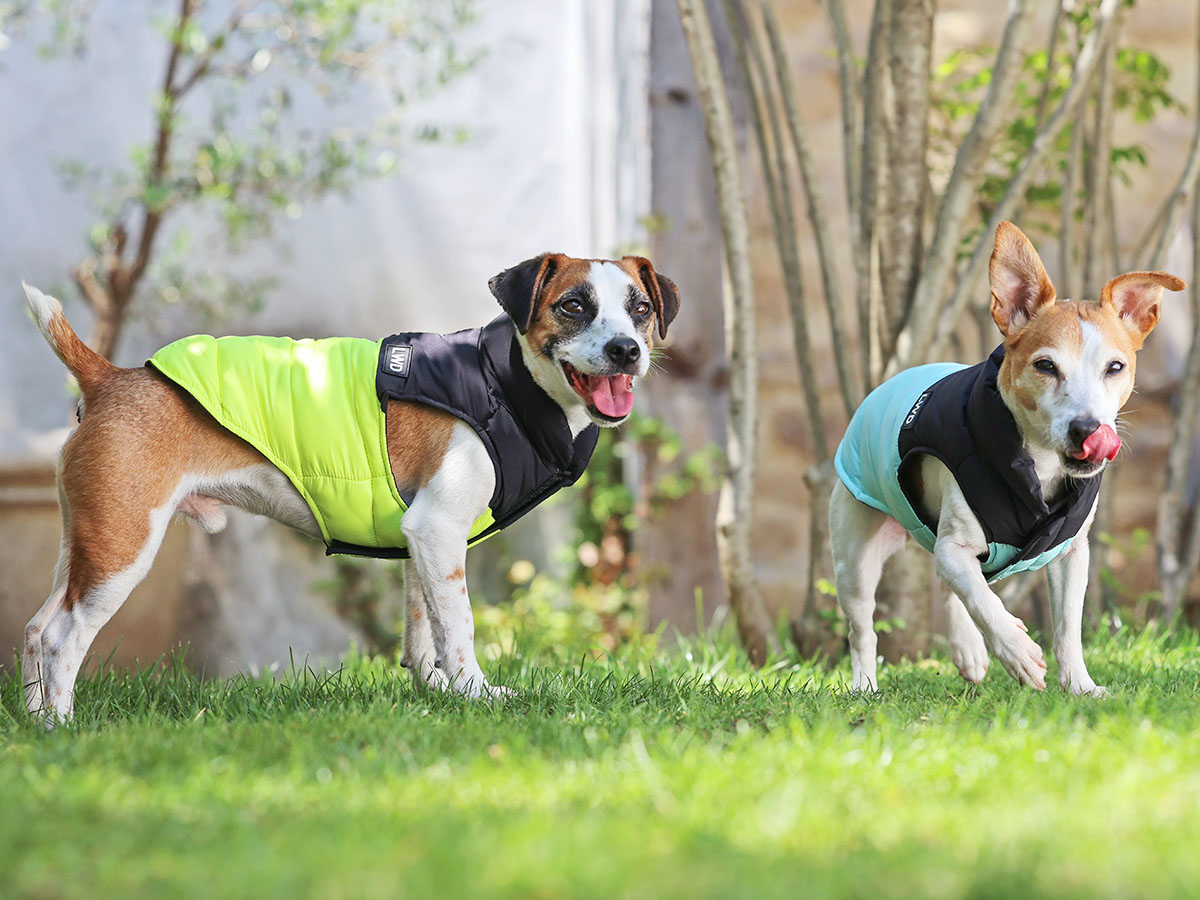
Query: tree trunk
{"points": [[911, 344], [677, 548], [735, 509], [1177, 542], [901, 244]]}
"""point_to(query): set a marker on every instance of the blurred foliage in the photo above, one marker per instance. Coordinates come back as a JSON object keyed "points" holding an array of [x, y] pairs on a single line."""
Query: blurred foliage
{"points": [[615, 499], [601, 603], [539, 610], [64, 24], [1141, 607], [1140, 90], [263, 108], [546, 613], [360, 591]]}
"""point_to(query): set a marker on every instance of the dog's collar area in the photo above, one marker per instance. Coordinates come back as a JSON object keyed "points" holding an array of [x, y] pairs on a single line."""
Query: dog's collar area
{"points": [[543, 420], [964, 422], [480, 377]]}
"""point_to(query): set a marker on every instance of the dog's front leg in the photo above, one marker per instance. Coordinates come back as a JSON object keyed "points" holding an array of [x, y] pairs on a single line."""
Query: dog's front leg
{"points": [[1066, 576], [960, 541], [967, 647], [419, 653], [437, 526], [439, 556]]}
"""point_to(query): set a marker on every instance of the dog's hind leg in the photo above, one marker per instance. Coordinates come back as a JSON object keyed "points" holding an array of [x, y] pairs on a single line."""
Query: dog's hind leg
{"points": [[967, 647], [118, 497], [419, 654], [31, 653], [96, 588], [862, 538]]}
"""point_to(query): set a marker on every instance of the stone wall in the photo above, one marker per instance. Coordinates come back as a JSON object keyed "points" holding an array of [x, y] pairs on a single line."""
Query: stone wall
{"points": [[146, 625]]}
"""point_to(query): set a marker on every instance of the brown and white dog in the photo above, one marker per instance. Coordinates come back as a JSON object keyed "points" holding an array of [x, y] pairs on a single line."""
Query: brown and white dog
{"points": [[145, 452], [1067, 370]]}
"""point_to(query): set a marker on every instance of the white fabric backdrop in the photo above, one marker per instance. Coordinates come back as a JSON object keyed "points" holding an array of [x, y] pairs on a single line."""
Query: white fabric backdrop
{"points": [[558, 160]]}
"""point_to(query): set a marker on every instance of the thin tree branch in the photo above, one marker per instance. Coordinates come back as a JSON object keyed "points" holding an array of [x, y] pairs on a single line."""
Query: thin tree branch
{"points": [[871, 212], [1171, 215], [822, 233], [901, 240], [96, 295], [215, 44], [1081, 79], [158, 167], [1177, 553], [965, 177], [1099, 175], [1070, 264], [1048, 81], [764, 114], [1114, 261], [850, 92], [736, 505]]}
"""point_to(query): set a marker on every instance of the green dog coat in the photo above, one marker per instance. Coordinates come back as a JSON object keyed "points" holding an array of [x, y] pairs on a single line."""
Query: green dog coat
{"points": [[310, 408]]}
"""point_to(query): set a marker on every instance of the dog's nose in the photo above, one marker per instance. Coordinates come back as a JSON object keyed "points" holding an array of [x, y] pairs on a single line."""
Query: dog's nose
{"points": [[622, 350], [1079, 430]]}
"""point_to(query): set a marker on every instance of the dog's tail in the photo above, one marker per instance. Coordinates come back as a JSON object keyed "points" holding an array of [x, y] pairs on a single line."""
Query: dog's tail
{"points": [[89, 367]]}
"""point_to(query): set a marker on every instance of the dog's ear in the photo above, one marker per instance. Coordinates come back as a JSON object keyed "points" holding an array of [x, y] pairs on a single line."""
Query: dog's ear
{"points": [[1020, 287], [660, 289], [1136, 298], [519, 288]]}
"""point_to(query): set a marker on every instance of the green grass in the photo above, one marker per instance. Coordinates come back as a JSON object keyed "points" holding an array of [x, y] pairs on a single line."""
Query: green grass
{"points": [[654, 774]]}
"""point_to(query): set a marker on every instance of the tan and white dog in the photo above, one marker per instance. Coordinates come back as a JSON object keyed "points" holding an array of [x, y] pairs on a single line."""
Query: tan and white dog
{"points": [[146, 451], [1067, 369]]}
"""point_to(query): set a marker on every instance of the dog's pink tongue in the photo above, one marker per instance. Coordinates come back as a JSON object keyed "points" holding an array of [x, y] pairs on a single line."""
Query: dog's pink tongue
{"points": [[1102, 443], [612, 394]]}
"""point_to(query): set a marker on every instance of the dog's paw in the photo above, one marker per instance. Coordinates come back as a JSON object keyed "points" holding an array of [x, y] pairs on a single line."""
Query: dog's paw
{"points": [[479, 688], [1084, 687], [971, 660], [862, 684], [433, 679], [1020, 655], [486, 691], [969, 653], [426, 675], [498, 692]]}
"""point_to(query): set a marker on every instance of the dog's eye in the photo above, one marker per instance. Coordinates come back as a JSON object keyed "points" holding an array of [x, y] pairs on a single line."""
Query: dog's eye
{"points": [[571, 307], [1115, 367], [642, 309], [1045, 365]]}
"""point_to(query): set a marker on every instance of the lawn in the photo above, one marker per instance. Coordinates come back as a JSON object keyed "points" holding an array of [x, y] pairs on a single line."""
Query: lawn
{"points": [[674, 773]]}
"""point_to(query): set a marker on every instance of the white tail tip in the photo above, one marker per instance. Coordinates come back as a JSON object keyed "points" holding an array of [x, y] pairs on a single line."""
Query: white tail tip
{"points": [[43, 306]]}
